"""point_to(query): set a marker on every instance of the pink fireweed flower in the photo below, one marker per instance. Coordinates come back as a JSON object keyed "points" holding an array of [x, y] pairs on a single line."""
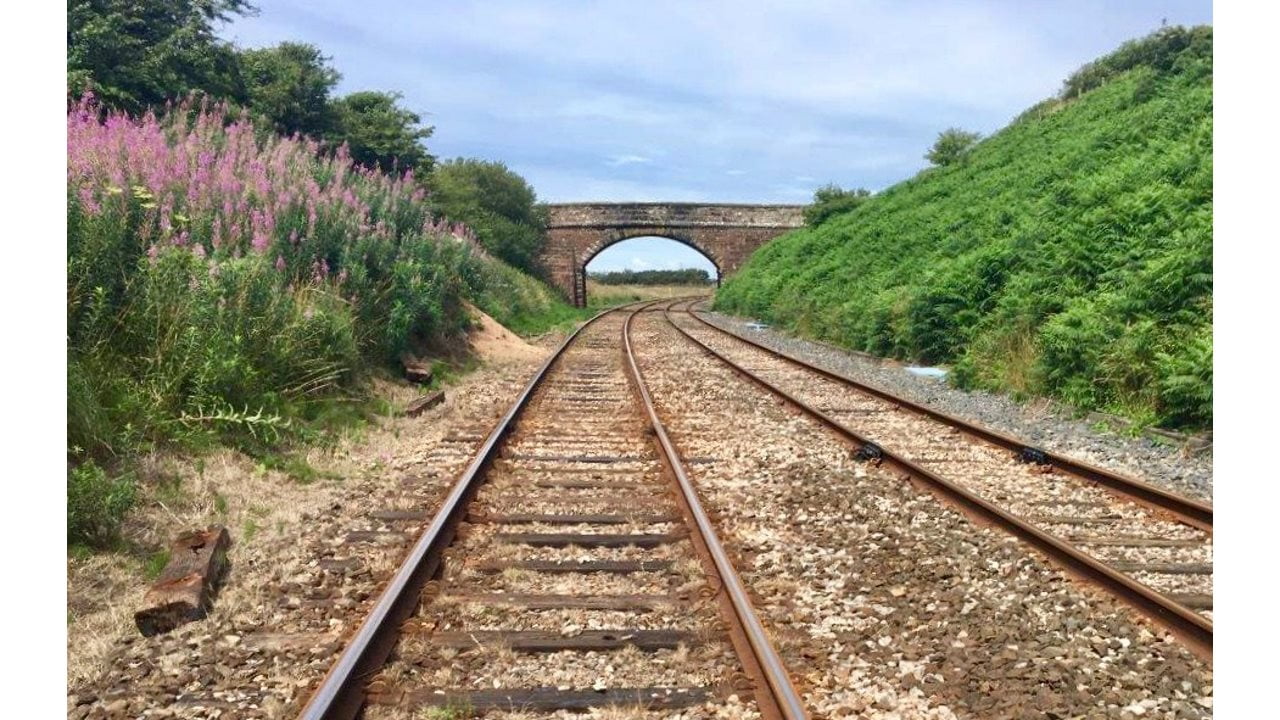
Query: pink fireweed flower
{"points": [[280, 263], [87, 200], [197, 249]]}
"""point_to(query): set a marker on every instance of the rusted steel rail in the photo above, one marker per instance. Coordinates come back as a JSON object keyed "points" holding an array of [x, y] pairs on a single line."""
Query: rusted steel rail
{"points": [[340, 694], [345, 689], [1195, 629], [1190, 511], [782, 692]]}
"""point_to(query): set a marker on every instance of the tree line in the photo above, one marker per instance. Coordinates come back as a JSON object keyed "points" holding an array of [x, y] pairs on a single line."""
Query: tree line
{"points": [[683, 276], [142, 55]]}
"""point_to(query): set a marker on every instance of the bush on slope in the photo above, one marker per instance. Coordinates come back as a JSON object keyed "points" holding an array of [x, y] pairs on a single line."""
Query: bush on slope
{"points": [[1070, 255], [235, 286]]}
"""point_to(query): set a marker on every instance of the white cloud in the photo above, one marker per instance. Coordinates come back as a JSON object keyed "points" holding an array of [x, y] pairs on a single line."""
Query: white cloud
{"points": [[617, 160], [850, 91]]}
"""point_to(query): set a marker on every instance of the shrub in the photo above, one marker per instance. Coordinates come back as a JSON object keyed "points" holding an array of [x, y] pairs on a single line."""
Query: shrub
{"points": [[830, 200], [951, 146], [96, 504], [223, 286], [496, 203]]}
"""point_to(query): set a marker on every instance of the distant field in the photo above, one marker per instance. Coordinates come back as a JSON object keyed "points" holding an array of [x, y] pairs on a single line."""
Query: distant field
{"points": [[602, 295]]}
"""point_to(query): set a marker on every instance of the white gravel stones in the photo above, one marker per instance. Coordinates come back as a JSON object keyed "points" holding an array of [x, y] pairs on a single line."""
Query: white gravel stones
{"points": [[1140, 457], [1066, 506], [883, 602], [581, 427]]}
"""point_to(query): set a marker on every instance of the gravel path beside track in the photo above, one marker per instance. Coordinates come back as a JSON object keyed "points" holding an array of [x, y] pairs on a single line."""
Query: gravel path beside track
{"points": [[885, 603], [1142, 458]]}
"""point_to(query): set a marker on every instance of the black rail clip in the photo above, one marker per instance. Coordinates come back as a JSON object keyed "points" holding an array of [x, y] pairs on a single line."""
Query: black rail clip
{"points": [[1033, 455], [869, 451]]}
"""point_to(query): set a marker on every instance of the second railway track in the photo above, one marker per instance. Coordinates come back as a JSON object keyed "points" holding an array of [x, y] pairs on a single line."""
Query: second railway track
{"points": [[1148, 546], [571, 567]]}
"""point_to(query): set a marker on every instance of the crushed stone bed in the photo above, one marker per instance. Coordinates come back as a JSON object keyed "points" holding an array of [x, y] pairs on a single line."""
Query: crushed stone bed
{"points": [[989, 471], [1143, 458], [296, 588], [676, 597], [883, 602]]}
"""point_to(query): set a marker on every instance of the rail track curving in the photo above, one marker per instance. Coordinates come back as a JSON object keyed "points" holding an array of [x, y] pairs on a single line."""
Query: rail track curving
{"points": [[571, 566], [1150, 547]]}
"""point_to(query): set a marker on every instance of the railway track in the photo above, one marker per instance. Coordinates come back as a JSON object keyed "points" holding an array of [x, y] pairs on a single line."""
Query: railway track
{"points": [[570, 567], [1149, 547]]}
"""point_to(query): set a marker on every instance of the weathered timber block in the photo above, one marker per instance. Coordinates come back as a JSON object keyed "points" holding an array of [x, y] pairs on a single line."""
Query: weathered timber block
{"points": [[424, 403], [185, 589], [416, 370]]}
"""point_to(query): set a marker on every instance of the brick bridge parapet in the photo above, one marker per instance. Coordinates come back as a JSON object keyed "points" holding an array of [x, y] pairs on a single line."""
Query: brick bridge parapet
{"points": [[726, 233]]}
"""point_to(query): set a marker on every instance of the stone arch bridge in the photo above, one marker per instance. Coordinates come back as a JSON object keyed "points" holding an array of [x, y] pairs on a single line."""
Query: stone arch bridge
{"points": [[725, 233]]}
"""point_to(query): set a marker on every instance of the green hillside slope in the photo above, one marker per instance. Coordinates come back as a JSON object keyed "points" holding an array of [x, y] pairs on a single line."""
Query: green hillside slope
{"points": [[1068, 255]]}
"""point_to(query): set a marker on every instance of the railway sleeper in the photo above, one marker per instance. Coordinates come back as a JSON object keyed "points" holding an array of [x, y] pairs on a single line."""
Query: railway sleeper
{"points": [[1164, 568], [531, 601], [541, 641], [603, 540], [545, 699], [591, 566], [570, 518]]}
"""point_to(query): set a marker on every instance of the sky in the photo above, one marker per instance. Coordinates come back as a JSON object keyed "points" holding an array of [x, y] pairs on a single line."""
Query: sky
{"points": [[706, 101]]}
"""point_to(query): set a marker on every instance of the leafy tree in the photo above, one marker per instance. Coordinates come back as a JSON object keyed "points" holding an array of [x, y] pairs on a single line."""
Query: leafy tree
{"points": [[380, 133], [496, 203], [139, 53], [830, 200], [951, 146], [289, 85], [683, 276]]}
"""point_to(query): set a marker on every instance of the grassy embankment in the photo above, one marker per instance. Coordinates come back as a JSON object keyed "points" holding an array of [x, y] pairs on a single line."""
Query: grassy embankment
{"points": [[1068, 255], [229, 287]]}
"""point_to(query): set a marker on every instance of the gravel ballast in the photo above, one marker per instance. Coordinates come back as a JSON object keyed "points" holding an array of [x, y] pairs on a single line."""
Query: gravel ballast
{"points": [[1141, 457], [885, 603], [298, 585]]}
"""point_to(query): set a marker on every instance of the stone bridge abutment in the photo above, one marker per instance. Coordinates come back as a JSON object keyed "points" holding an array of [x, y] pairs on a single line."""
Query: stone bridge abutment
{"points": [[726, 233]]}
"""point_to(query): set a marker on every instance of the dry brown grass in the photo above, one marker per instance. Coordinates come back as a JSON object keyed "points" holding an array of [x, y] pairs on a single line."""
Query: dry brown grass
{"points": [[178, 493], [261, 508]]}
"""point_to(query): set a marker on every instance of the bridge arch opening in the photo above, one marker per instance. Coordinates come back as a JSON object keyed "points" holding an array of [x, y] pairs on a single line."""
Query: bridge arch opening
{"points": [[609, 264]]}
